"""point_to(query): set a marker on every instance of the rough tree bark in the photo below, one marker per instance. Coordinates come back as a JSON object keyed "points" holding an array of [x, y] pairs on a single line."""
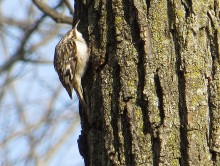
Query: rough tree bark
{"points": [[152, 86]]}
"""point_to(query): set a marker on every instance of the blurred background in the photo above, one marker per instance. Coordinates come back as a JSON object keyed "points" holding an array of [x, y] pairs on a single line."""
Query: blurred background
{"points": [[39, 124]]}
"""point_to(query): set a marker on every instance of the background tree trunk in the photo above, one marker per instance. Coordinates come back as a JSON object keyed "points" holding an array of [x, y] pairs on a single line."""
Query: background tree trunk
{"points": [[152, 86]]}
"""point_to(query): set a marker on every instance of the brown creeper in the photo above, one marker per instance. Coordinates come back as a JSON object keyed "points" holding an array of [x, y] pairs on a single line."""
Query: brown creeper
{"points": [[70, 59]]}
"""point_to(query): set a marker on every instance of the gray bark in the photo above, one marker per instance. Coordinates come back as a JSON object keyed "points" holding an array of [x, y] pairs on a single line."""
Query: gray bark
{"points": [[152, 86]]}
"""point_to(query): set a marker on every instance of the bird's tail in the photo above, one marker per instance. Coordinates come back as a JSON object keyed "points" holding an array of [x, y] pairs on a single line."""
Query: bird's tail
{"points": [[84, 108]]}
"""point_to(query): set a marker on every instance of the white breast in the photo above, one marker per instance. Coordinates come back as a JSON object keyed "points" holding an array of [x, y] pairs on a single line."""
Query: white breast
{"points": [[83, 56]]}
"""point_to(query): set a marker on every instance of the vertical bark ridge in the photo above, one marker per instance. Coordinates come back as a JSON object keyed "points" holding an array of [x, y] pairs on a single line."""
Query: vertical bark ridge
{"points": [[115, 112], [190, 28], [111, 130], [146, 67], [212, 46], [177, 41], [165, 81], [149, 92], [126, 56], [214, 36], [142, 43]]}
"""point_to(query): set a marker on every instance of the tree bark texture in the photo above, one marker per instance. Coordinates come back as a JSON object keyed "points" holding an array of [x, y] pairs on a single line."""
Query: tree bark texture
{"points": [[152, 86]]}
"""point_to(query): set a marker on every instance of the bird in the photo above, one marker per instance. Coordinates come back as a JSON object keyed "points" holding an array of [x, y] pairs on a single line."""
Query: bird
{"points": [[70, 62]]}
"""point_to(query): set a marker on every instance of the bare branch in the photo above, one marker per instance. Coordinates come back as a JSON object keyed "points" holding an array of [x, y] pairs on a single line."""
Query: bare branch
{"points": [[37, 61], [57, 17], [20, 52], [13, 22], [69, 6]]}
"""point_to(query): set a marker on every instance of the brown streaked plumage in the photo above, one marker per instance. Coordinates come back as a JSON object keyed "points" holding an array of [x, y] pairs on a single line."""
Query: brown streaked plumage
{"points": [[70, 59]]}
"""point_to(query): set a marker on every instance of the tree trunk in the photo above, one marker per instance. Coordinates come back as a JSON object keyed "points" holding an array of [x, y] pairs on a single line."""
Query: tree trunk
{"points": [[152, 86]]}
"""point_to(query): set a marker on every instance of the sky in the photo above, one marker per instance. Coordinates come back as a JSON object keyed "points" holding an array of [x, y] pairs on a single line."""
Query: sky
{"points": [[31, 93]]}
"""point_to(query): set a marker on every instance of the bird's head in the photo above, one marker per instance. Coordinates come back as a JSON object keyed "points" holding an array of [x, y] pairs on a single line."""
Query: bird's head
{"points": [[75, 34]]}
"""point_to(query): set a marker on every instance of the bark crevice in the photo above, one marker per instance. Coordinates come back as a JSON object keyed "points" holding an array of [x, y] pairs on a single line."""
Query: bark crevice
{"points": [[115, 113], [126, 126], [182, 103], [159, 92], [156, 147]]}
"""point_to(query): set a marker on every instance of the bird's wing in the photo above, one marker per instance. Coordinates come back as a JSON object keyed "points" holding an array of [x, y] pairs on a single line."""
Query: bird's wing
{"points": [[65, 62]]}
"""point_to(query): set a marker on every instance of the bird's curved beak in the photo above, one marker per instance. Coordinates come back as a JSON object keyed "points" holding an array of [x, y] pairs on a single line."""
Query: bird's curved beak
{"points": [[77, 24]]}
